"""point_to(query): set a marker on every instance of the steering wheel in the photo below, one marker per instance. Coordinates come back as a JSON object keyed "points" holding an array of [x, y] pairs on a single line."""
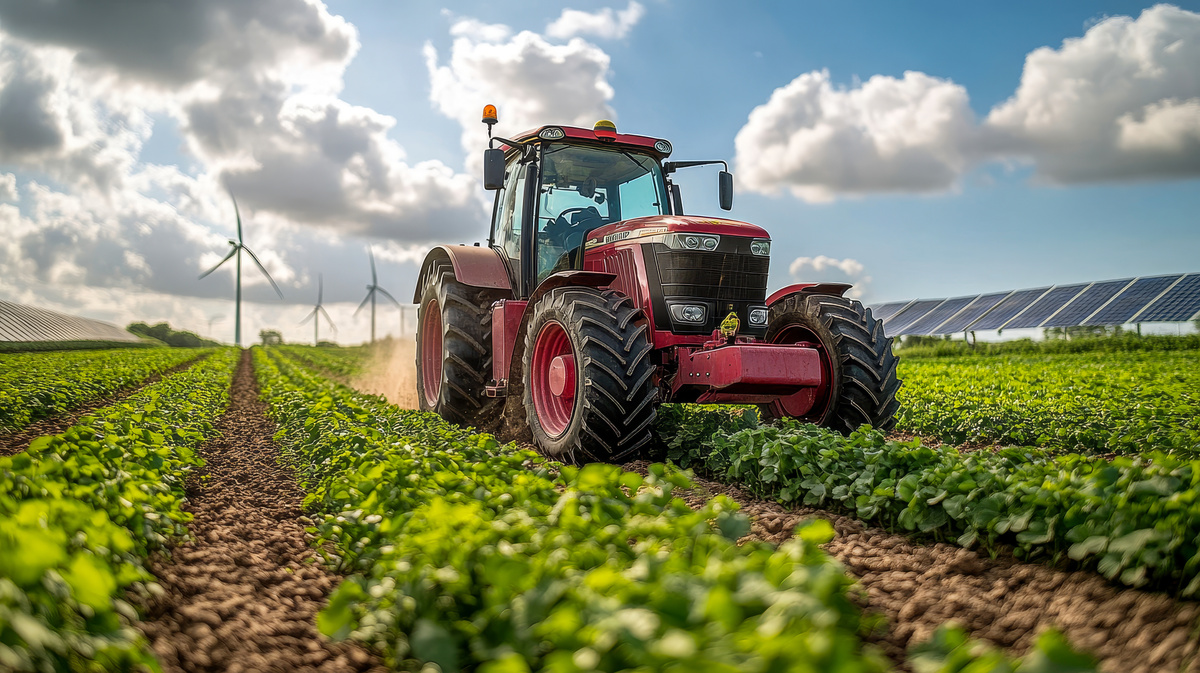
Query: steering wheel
{"points": [[566, 221]]}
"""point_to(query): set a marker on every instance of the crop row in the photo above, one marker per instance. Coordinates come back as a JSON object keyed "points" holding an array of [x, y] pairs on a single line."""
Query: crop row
{"points": [[1090, 402], [470, 554], [343, 363], [37, 385], [80, 510], [1134, 519]]}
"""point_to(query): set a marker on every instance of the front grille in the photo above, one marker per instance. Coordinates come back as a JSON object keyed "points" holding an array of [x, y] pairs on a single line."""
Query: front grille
{"points": [[721, 276]]}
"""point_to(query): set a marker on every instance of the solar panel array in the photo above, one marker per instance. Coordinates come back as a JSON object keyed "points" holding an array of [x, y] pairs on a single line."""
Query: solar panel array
{"points": [[1171, 298], [26, 323]]}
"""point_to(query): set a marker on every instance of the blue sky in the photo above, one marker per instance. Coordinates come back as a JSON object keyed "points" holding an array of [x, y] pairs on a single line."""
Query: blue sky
{"points": [[1006, 203]]}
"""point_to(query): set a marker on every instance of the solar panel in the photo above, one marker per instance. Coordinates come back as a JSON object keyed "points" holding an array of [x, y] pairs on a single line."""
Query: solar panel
{"points": [[1086, 303], [885, 311], [928, 324], [1043, 308], [895, 325], [1005, 310], [1181, 302], [1133, 299], [980, 305]]}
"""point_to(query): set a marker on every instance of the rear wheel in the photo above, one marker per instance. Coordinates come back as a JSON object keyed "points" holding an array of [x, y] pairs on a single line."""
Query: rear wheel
{"points": [[859, 367], [454, 349], [588, 390]]}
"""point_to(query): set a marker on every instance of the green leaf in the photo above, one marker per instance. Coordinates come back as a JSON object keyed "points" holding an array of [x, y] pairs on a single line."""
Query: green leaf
{"points": [[432, 642], [91, 581]]}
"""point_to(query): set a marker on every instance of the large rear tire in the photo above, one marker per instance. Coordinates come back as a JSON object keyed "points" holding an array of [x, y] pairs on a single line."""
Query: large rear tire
{"points": [[454, 349], [589, 394], [856, 356]]}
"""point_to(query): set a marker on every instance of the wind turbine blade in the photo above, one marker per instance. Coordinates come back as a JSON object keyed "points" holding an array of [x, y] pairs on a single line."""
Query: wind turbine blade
{"points": [[320, 288], [385, 293], [364, 302], [330, 320], [264, 270], [231, 254], [308, 317], [372, 254], [238, 214]]}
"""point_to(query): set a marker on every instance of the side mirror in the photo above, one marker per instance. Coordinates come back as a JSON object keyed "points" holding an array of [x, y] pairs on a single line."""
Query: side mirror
{"points": [[725, 189], [493, 168]]}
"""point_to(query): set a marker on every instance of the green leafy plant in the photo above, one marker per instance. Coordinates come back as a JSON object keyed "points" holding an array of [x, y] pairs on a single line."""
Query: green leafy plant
{"points": [[1090, 402], [37, 385], [80, 510]]}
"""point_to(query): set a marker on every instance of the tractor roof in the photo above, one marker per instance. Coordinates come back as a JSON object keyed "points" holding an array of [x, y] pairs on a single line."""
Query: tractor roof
{"points": [[570, 133]]}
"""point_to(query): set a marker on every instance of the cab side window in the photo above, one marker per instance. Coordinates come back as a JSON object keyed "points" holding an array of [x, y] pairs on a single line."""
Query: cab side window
{"points": [[511, 211]]}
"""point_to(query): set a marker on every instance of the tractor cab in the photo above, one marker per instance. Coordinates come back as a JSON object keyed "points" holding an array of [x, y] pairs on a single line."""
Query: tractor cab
{"points": [[597, 298], [561, 183]]}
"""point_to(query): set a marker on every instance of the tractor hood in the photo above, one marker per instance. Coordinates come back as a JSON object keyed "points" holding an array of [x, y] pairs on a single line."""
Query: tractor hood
{"points": [[667, 224]]}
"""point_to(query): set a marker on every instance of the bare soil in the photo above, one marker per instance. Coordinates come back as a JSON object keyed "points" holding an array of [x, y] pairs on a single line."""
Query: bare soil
{"points": [[919, 587], [391, 371], [244, 594], [15, 442]]}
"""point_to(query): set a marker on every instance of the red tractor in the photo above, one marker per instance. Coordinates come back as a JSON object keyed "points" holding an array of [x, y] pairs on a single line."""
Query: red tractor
{"points": [[596, 299]]}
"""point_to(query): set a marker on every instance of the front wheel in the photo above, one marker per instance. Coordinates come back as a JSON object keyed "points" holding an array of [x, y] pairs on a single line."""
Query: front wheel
{"points": [[859, 369], [587, 367]]}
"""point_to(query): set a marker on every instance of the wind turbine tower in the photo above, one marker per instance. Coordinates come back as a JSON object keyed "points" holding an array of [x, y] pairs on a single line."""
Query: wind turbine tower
{"points": [[319, 311], [238, 247], [372, 289]]}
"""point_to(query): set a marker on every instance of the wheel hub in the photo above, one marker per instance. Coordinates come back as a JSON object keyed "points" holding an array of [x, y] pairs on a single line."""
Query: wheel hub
{"points": [[562, 376], [552, 379]]}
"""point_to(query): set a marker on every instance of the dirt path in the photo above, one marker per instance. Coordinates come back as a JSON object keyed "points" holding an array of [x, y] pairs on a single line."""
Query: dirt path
{"points": [[15, 442], [919, 587], [243, 595]]}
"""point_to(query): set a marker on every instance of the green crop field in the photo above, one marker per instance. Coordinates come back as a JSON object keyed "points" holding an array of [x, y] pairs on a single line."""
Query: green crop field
{"points": [[456, 551], [1097, 402], [37, 385]]}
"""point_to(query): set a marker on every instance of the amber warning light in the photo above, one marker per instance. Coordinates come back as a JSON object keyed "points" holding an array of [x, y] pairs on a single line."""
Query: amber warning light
{"points": [[489, 118]]}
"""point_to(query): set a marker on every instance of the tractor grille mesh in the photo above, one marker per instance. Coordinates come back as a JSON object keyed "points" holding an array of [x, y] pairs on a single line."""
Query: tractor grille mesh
{"points": [[723, 276]]}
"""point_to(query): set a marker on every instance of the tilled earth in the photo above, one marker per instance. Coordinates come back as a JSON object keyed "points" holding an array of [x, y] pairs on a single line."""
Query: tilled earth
{"points": [[919, 587], [15, 442], [244, 594]]}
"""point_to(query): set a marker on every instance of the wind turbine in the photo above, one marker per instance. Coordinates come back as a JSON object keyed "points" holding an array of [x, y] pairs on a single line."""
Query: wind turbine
{"points": [[238, 247], [321, 310], [371, 290]]}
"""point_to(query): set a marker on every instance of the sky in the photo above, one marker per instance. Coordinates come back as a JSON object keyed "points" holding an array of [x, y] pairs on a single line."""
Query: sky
{"points": [[925, 149]]}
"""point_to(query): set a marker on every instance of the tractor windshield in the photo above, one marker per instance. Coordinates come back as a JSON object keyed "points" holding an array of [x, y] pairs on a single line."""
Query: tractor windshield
{"points": [[584, 187]]}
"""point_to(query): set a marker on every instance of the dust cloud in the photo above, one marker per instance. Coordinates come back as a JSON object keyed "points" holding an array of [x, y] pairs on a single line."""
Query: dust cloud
{"points": [[391, 371]]}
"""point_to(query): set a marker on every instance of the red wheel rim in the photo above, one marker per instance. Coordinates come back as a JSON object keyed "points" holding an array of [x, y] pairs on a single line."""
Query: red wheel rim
{"points": [[810, 404], [552, 368], [431, 353]]}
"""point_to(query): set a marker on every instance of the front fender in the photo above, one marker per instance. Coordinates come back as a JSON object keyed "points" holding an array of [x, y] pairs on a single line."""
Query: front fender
{"points": [[838, 289]]}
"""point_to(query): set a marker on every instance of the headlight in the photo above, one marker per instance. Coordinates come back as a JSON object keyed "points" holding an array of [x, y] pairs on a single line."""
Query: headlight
{"points": [[663, 146], [760, 246], [758, 317], [692, 241], [688, 312], [552, 133]]}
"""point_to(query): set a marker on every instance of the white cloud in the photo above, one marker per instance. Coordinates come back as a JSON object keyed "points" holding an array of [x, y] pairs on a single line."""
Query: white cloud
{"points": [[830, 269], [1121, 102], [254, 91], [531, 81], [8, 188], [605, 24], [818, 141]]}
